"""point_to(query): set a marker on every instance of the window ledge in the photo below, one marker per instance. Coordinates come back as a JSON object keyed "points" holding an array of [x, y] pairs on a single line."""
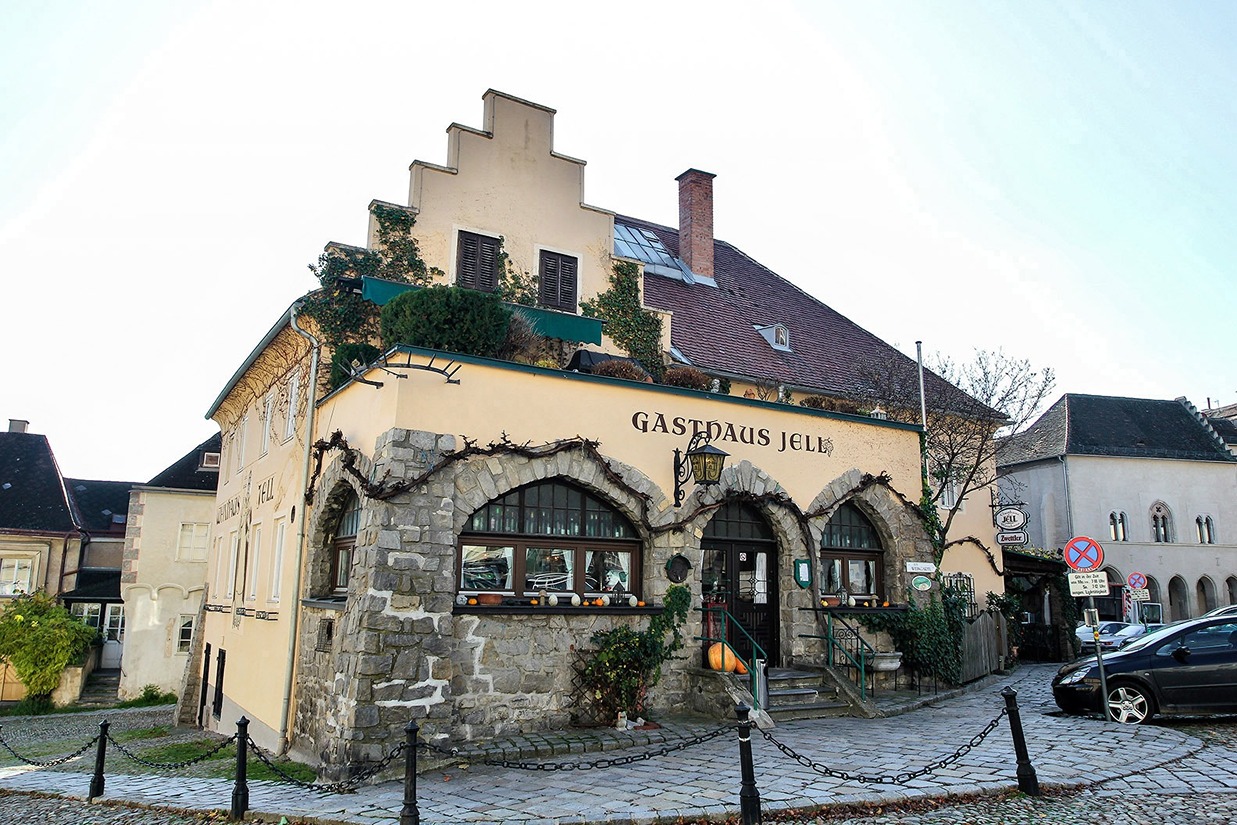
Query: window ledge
{"points": [[327, 603]]}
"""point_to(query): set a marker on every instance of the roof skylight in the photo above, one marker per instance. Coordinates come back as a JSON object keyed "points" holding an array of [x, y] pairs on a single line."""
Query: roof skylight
{"points": [[644, 246]]}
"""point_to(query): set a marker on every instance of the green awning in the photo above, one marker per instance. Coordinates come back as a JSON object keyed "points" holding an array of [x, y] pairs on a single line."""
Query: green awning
{"points": [[563, 325]]}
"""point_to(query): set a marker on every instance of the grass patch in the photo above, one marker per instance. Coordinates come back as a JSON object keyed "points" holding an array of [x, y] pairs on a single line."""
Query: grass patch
{"points": [[257, 770], [184, 751], [150, 697], [142, 733]]}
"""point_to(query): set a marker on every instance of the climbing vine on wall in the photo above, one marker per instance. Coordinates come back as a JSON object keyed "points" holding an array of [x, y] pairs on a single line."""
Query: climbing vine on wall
{"points": [[632, 327], [514, 286]]}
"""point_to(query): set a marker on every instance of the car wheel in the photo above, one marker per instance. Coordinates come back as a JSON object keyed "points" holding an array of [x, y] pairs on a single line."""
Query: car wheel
{"points": [[1130, 704]]}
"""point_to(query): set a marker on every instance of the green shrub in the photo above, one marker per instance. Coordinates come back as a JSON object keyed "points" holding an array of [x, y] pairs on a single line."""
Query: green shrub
{"points": [[628, 323], [618, 368], [344, 355], [447, 318], [627, 662], [39, 638], [150, 696], [688, 377]]}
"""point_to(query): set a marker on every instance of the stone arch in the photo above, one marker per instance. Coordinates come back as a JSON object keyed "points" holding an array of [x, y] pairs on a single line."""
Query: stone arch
{"points": [[901, 531], [748, 482], [1178, 599], [1231, 583], [1205, 594], [334, 488], [479, 481]]}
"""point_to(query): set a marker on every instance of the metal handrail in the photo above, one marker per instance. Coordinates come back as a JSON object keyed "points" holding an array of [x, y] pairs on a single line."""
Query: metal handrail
{"points": [[751, 665], [857, 655]]}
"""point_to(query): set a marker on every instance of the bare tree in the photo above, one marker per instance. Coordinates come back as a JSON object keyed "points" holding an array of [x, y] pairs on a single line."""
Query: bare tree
{"points": [[970, 406]]}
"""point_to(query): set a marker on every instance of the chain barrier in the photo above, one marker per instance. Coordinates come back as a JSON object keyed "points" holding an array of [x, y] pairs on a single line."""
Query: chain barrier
{"points": [[51, 763], [608, 763], [348, 785], [888, 779], [170, 766]]}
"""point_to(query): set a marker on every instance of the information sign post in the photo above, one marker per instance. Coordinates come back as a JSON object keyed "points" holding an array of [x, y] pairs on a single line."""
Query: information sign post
{"points": [[1085, 555]]}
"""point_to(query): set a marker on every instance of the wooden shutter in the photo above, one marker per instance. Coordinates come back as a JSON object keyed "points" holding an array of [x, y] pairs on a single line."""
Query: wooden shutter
{"points": [[558, 281], [477, 262]]}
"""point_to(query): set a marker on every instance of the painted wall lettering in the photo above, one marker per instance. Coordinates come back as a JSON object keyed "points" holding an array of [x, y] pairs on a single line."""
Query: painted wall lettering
{"points": [[655, 422]]}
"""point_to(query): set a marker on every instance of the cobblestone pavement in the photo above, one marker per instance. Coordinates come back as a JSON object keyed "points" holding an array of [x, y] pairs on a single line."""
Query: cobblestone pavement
{"points": [[1156, 773]]}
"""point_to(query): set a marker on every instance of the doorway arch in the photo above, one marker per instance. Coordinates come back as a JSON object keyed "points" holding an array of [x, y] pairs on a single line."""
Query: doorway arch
{"points": [[738, 574], [1178, 599]]}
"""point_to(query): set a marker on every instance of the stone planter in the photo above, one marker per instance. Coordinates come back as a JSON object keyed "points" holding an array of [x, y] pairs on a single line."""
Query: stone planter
{"points": [[886, 661]]}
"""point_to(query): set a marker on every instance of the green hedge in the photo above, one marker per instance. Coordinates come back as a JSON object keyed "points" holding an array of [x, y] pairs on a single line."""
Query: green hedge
{"points": [[447, 318]]}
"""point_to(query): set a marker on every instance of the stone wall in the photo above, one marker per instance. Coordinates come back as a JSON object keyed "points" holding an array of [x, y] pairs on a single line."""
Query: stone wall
{"points": [[400, 647]]}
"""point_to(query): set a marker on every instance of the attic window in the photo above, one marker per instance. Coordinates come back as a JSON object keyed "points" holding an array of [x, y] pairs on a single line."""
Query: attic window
{"points": [[210, 461], [778, 336], [117, 518]]}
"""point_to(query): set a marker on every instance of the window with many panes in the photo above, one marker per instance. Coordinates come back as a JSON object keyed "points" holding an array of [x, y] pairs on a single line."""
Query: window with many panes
{"points": [[852, 558], [191, 543], [557, 282], [549, 536], [344, 543], [184, 632], [476, 261], [16, 575]]}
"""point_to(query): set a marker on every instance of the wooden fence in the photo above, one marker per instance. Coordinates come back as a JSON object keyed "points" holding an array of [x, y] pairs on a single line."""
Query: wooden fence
{"points": [[983, 646]]}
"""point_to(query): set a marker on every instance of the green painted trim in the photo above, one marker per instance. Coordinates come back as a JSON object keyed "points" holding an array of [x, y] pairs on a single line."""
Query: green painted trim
{"points": [[566, 326]]}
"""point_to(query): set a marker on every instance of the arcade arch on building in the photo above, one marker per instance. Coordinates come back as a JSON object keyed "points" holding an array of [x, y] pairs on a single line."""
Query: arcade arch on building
{"points": [[1178, 599]]}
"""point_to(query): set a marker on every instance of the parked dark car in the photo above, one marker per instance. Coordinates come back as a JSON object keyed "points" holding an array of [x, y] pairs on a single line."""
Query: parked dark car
{"points": [[1184, 668]]}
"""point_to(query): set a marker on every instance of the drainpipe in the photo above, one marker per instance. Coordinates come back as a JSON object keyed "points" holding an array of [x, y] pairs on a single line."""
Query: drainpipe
{"points": [[923, 412], [311, 393], [1069, 506]]}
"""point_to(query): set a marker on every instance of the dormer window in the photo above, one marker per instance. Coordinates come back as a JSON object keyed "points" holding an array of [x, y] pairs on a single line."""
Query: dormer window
{"points": [[777, 335], [210, 461]]}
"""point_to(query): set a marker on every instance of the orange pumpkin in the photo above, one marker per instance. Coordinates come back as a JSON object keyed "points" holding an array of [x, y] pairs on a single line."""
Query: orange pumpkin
{"points": [[722, 657]]}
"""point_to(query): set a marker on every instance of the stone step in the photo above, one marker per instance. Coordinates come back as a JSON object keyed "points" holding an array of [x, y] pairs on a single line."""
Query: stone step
{"points": [[102, 688], [809, 710]]}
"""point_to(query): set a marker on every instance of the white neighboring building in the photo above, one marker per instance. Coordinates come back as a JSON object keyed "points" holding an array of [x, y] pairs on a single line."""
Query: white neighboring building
{"points": [[1152, 481], [164, 571]]}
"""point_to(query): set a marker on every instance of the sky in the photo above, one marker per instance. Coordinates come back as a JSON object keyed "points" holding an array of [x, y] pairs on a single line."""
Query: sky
{"points": [[1055, 180]]}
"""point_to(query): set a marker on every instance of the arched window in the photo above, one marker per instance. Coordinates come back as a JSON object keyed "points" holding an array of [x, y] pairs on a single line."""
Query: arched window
{"points": [[549, 536], [1117, 526], [1206, 530], [1161, 523], [851, 556], [343, 544]]}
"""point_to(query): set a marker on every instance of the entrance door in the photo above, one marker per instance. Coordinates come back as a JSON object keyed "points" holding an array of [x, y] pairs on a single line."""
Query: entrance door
{"points": [[739, 575], [113, 637]]}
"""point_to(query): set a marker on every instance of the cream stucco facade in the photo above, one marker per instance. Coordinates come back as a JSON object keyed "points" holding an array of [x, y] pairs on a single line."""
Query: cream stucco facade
{"points": [[329, 647]]}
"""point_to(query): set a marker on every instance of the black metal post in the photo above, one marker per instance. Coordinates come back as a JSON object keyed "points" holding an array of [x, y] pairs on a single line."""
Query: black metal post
{"points": [[100, 756], [410, 814], [1028, 782], [749, 797], [240, 792]]}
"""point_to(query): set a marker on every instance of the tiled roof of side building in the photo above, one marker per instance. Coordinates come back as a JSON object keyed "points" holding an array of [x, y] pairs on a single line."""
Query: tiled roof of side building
{"points": [[101, 506], [32, 496], [714, 329], [1113, 426], [189, 473]]}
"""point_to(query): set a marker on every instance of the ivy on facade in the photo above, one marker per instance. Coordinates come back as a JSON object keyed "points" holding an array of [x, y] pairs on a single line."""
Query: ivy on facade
{"points": [[630, 325]]}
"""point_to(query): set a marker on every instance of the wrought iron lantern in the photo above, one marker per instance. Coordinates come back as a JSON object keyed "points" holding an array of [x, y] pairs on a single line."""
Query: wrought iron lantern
{"points": [[702, 461]]}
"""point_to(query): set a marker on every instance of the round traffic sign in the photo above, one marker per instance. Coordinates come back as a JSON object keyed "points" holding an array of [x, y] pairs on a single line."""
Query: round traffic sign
{"points": [[1136, 581], [1083, 553]]}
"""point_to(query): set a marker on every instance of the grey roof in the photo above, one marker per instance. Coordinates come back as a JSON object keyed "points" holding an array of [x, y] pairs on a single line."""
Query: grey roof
{"points": [[101, 507], [1111, 426], [32, 495], [187, 473]]}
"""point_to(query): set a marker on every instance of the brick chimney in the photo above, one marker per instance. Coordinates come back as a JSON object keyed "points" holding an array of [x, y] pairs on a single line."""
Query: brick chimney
{"points": [[696, 221], [18, 425]]}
